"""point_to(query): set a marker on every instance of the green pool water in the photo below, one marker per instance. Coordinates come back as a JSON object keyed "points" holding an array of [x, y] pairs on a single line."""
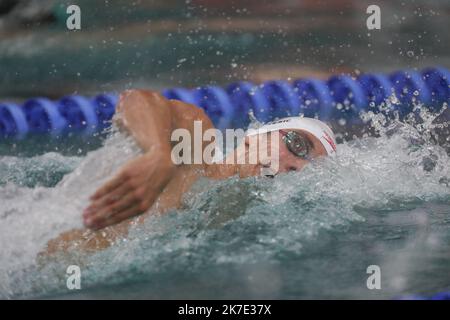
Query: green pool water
{"points": [[384, 201]]}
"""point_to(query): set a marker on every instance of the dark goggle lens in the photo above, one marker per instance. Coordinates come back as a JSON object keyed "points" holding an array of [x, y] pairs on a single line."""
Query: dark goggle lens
{"points": [[296, 144]]}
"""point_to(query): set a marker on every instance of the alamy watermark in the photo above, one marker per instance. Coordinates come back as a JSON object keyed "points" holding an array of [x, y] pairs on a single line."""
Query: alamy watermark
{"points": [[374, 20], [374, 280], [261, 148], [73, 281], [73, 21]]}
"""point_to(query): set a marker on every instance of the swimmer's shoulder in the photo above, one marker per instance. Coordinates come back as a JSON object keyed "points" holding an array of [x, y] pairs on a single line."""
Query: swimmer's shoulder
{"points": [[187, 113], [182, 114]]}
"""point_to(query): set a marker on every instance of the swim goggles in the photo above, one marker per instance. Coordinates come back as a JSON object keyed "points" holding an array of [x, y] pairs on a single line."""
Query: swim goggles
{"points": [[297, 144]]}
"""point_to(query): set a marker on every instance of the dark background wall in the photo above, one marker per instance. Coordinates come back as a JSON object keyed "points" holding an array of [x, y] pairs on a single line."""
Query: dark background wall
{"points": [[167, 43]]}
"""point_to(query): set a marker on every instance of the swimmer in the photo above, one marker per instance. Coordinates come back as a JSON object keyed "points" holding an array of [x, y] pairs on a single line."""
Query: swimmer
{"points": [[152, 183]]}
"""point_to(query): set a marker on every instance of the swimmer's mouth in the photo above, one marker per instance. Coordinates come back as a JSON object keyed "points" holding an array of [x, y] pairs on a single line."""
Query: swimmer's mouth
{"points": [[268, 172]]}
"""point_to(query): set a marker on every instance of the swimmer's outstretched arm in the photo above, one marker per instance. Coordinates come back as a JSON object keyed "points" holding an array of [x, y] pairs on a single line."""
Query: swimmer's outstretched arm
{"points": [[150, 118]]}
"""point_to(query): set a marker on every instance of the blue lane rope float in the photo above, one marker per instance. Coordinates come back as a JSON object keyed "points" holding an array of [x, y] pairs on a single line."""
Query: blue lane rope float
{"points": [[282, 98], [438, 296], [180, 94], [376, 87], [438, 81], [105, 106], [348, 98], [314, 98], [339, 97], [79, 114], [216, 103], [43, 116], [13, 122], [245, 97], [409, 86]]}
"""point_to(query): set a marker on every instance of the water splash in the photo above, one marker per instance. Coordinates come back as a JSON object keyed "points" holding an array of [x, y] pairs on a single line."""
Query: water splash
{"points": [[251, 230], [29, 217]]}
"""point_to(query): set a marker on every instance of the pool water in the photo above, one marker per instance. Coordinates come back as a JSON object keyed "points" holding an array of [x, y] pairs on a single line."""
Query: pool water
{"points": [[384, 201]]}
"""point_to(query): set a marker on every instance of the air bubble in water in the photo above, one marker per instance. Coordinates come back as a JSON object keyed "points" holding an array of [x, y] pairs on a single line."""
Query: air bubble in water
{"points": [[393, 99]]}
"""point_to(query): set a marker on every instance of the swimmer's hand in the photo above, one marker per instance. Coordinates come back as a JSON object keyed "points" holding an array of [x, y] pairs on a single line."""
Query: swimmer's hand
{"points": [[132, 191], [150, 119]]}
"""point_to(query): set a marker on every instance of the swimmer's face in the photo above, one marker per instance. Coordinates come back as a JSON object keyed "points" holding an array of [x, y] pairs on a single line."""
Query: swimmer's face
{"points": [[267, 163]]}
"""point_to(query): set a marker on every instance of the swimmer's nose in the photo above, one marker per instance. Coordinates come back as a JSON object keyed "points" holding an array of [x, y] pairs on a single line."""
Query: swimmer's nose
{"points": [[265, 162], [267, 170]]}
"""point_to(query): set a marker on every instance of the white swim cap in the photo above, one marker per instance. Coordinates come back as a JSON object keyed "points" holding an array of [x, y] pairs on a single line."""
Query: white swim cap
{"points": [[313, 126]]}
